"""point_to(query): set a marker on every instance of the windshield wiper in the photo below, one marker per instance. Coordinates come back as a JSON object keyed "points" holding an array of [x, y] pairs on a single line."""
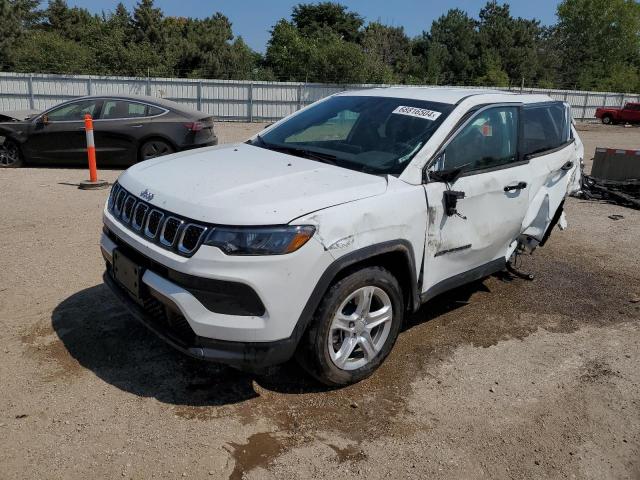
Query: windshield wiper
{"points": [[299, 152]]}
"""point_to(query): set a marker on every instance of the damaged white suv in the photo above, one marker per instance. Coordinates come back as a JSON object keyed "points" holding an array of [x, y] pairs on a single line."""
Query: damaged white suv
{"points": [[317, 236]]}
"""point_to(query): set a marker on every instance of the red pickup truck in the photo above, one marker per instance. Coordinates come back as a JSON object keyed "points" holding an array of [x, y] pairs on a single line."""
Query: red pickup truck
{"points": [[629, 114]]}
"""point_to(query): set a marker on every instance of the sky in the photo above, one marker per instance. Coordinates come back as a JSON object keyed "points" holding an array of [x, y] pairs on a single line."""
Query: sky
{"points": [[252, 19]]}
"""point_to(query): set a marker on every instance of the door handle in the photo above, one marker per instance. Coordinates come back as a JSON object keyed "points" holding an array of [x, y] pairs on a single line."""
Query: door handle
{"points": [[567, 166], [518, 186], [136, 126]]}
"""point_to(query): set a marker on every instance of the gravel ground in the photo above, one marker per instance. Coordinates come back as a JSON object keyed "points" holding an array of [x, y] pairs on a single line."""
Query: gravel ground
{"points": [[500, 379]]}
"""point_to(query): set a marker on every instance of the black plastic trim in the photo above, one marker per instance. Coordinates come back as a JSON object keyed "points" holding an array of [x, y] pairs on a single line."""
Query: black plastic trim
{"points": [[463, 278], [251, 356], [219, 296], [550, 151], [346, 261]]}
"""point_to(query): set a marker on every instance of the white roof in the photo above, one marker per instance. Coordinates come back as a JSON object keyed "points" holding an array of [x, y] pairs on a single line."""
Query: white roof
{"points": [[450, 95]]}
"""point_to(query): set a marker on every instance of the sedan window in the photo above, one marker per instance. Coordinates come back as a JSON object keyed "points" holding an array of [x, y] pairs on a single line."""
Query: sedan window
{"points": [[120, 109], [72, 111], [489, 140]]}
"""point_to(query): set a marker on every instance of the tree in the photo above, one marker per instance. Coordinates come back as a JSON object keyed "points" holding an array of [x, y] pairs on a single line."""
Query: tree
{"points": [[509, 44], [450, 49], [44, 51], [147, 24], [310, 19], [600, 43], [16, 17], [388, 47]]}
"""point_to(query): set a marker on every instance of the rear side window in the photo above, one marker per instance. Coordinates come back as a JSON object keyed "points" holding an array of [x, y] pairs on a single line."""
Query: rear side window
{"points": [[153, 111], [120, 109], [545, 127]]}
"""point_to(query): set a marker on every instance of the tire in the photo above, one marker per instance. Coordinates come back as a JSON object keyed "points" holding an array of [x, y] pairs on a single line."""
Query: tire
{"points": [[607, 120], [155, 148], [10, 155], [340, 325]]}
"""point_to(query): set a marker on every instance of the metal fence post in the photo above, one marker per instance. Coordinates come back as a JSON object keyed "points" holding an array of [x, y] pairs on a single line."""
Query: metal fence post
{"points": [[300, 86], [32, 100], [622, 100], [148, 89], [199, 95], [250, 102], [584, 106], [89, 86]]}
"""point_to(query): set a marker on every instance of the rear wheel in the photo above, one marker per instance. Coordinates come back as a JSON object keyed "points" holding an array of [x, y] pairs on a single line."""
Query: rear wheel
{"points": [[155, 148], [10, 156], [354, 328], [607, 120]]}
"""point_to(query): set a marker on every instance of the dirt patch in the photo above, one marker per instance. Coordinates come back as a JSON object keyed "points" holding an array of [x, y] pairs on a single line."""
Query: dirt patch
{"points": [[259, 451]]}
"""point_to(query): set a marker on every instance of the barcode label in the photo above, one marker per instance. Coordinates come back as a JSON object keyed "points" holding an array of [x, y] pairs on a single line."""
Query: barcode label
{"points": [[417, 112]]}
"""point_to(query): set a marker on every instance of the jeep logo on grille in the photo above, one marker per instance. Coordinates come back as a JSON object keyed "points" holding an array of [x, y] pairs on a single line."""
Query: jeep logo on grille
{"points": [[146, 195]]}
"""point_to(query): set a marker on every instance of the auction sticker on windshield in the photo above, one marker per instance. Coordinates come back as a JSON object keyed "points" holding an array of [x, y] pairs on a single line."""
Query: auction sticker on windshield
{"points": [[417, 112]]}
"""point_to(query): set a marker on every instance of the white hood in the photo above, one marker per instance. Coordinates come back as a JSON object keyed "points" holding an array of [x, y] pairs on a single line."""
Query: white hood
{"points": [[246, 185]]}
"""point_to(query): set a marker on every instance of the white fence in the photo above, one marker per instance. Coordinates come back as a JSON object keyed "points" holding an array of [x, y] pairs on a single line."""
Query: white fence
{"points": [[238, 100]]}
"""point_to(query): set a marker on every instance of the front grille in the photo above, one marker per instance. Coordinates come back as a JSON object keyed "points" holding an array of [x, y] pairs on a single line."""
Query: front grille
{"points": [[172, 232]]}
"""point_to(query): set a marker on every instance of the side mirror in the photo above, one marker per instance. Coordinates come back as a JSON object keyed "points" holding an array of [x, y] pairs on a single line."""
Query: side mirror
{"points": [[43, 120]]}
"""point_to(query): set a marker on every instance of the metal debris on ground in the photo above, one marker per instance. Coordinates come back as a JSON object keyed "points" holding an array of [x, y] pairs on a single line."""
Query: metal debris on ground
{"points": [[615, 177], [625, 193]]}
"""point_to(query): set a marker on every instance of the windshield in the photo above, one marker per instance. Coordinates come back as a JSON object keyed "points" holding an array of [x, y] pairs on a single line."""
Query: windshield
{"points": [[377, 135]]}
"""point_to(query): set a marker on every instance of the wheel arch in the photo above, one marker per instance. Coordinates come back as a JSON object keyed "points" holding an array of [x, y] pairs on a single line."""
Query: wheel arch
{"points": [[397, 256]]}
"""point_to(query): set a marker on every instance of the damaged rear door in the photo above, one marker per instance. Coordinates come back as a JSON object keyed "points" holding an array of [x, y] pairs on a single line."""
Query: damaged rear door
{"points": [[475, 220], [548, 144]]}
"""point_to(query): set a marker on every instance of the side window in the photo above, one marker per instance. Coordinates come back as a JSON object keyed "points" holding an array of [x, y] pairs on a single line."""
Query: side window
{"points": [[334, 129], [73, 111], [153, 111], [545, 127], [489, 140], [120, 109]]}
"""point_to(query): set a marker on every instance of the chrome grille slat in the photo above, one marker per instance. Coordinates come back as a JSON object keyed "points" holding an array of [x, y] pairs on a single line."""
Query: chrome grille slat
{"points": [[139, 214], [190, 238], [150, 230], [171, 232], [127, 209]]}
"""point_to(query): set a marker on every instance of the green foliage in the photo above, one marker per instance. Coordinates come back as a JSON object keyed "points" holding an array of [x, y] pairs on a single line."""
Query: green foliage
{"points": [[600, 43], [595, 45], [38, 48]]}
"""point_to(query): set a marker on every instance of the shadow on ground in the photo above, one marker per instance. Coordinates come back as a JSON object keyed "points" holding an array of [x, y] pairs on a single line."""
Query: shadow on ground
{"points": [[105, 339]]}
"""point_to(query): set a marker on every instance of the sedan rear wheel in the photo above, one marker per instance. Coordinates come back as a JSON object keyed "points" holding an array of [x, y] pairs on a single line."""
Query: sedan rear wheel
{"points": [[155, 148], [10, 154]]}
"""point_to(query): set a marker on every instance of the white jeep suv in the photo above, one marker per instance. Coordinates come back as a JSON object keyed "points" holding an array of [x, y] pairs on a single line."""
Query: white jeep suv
{"points": [[318, 235]]}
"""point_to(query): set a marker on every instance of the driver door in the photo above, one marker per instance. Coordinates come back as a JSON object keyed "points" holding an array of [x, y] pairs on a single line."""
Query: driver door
{"points": [[475, 241], [61, 139]]}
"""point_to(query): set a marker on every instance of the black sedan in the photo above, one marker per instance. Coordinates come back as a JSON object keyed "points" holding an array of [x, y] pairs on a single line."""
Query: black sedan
{"points": [[127, 129]]}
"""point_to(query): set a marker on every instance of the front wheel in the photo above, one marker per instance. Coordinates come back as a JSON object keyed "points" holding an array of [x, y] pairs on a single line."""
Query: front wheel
{"points": [[354, 328], [607, 120], [155, 148], [10, 156]]}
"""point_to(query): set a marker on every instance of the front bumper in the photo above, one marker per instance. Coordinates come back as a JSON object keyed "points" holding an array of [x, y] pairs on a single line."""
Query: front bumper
{"points": [[160, 315]]}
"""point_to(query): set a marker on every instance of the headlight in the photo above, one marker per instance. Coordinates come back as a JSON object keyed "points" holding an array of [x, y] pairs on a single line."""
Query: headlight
{"points": [[260, 240]]}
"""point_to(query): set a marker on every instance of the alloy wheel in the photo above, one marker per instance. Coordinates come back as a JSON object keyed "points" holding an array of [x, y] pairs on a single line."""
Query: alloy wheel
{"points": [[360, 328], [9, 154], [155, 148]]}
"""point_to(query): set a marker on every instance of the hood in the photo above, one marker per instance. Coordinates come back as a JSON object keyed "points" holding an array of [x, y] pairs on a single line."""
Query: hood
{"points": [[17, 115], [246, 185]]}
